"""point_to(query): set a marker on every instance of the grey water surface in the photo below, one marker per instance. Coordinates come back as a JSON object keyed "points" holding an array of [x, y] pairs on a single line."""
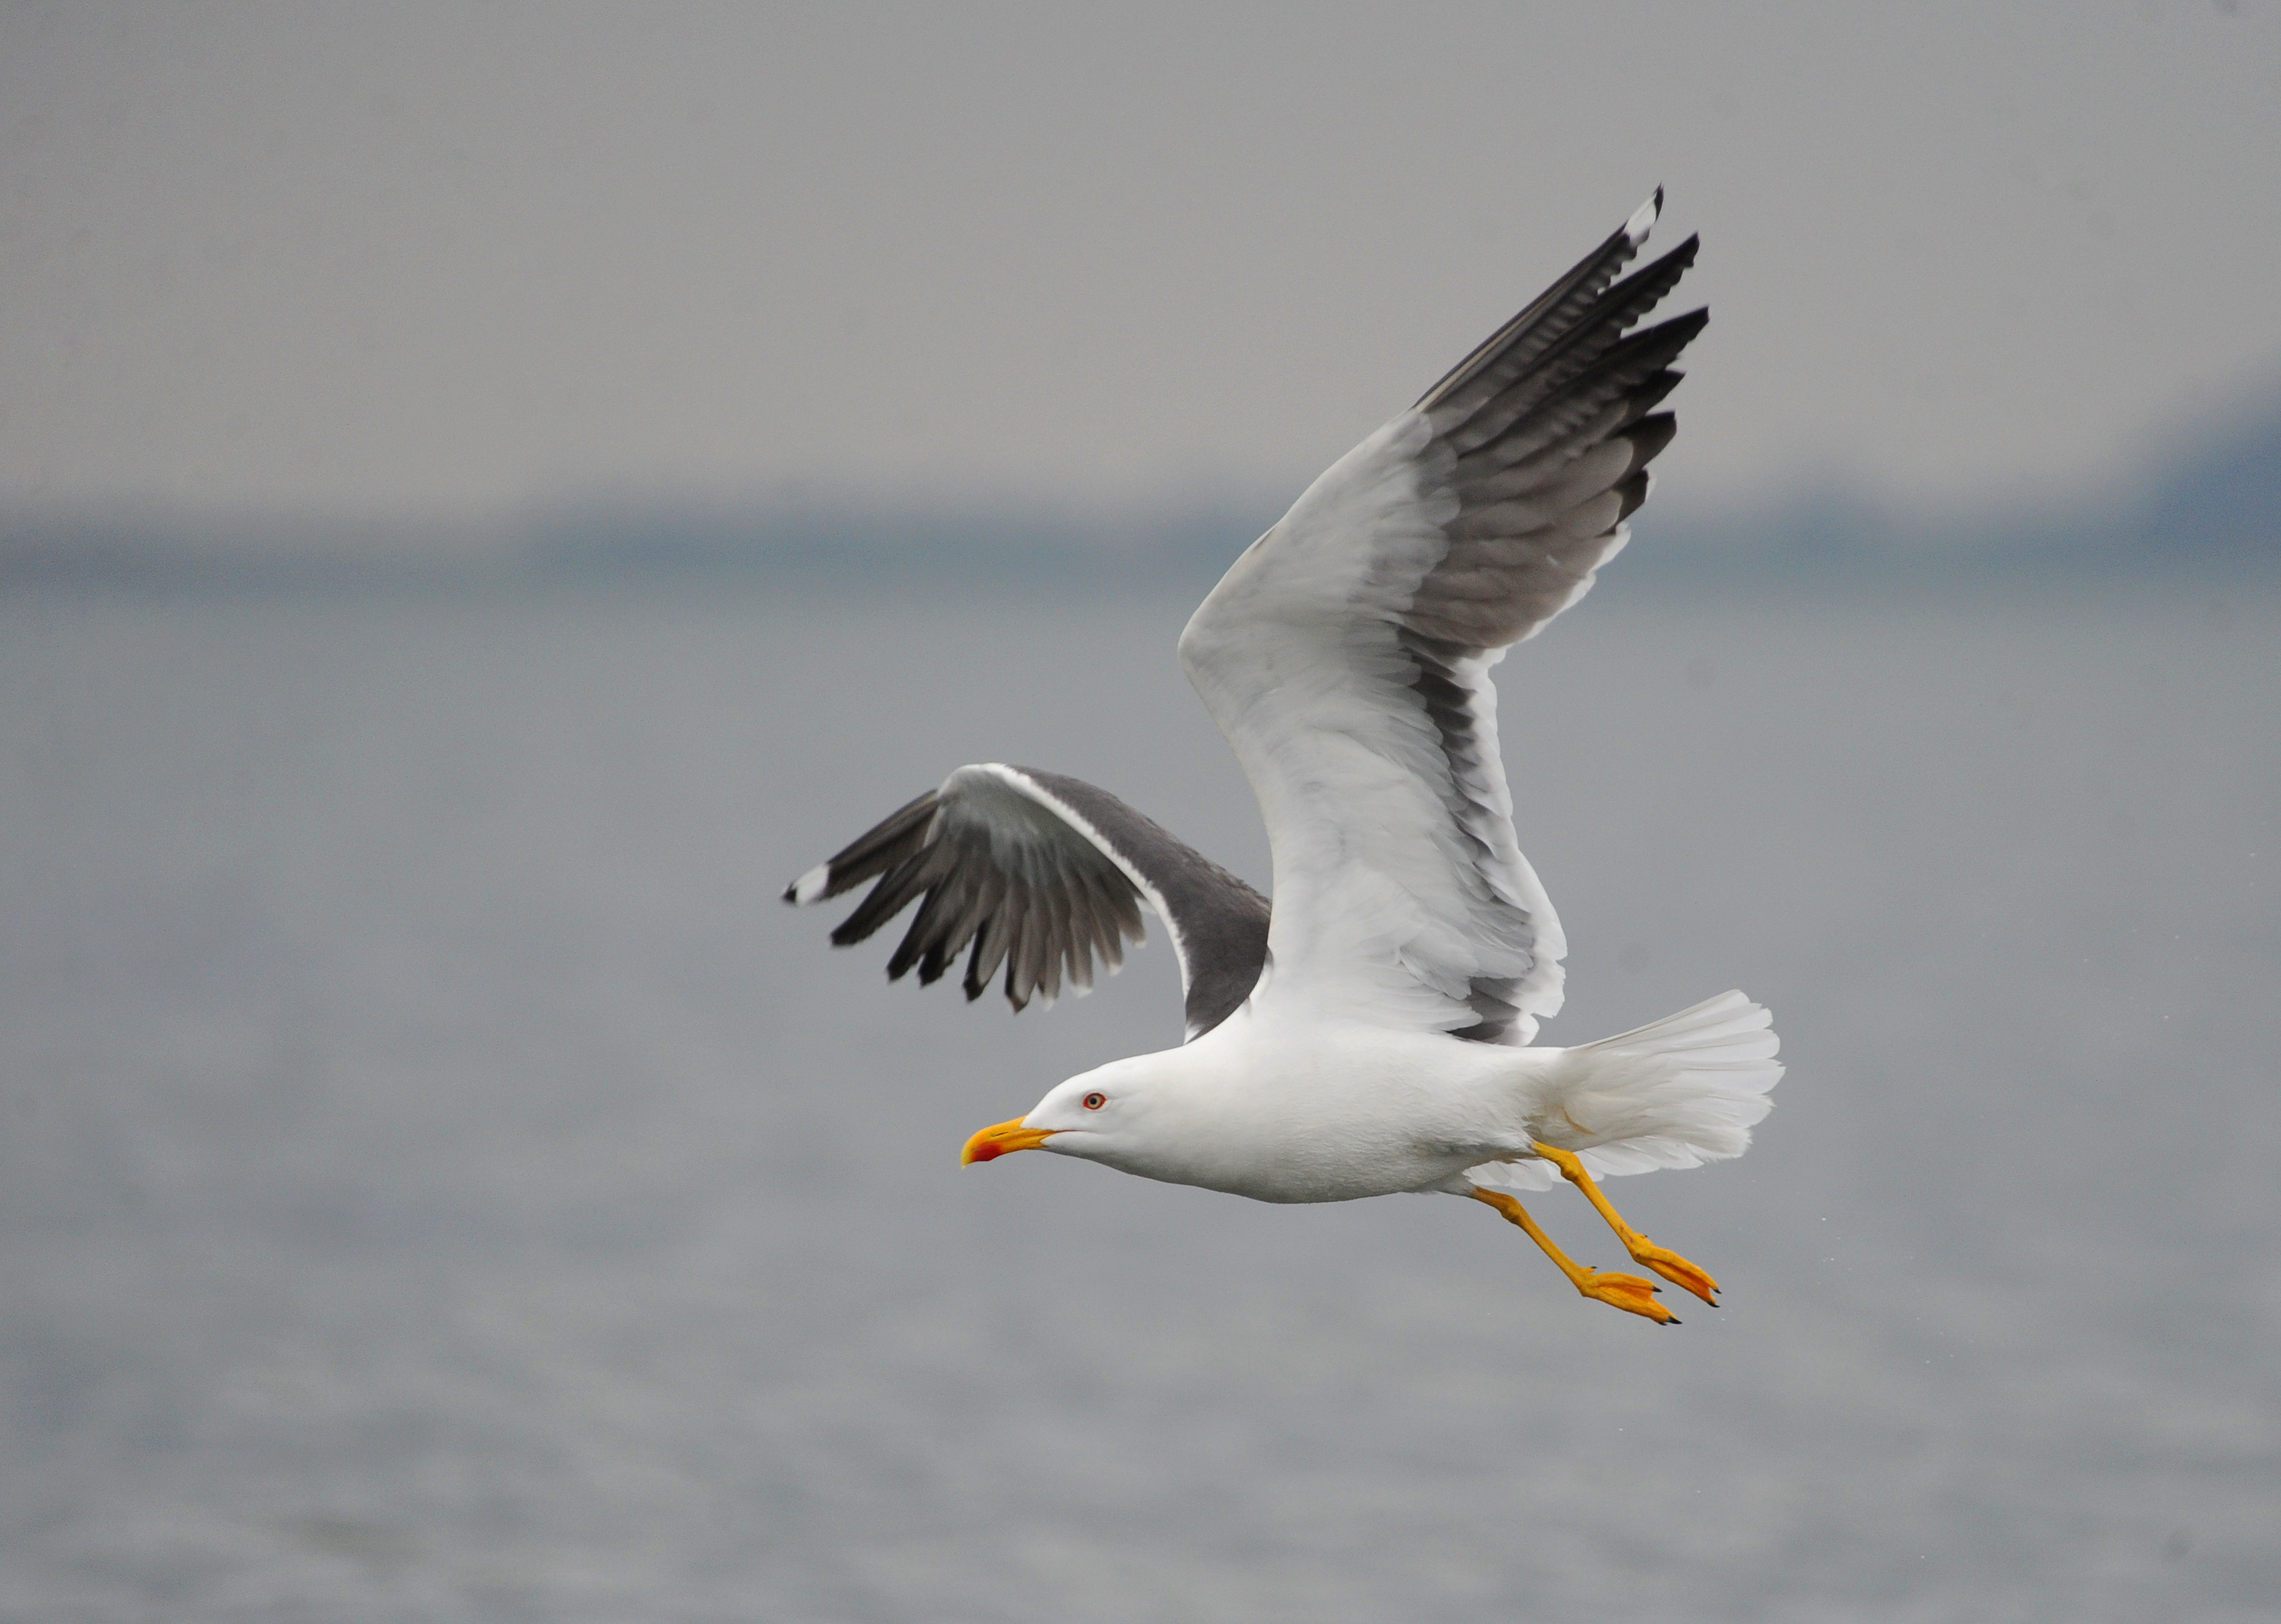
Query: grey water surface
{"points": [[439, 1181]]}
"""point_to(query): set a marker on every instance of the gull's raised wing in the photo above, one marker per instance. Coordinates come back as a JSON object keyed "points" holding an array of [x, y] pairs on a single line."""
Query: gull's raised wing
{"points": [[1045, 874], [1347, 653]]}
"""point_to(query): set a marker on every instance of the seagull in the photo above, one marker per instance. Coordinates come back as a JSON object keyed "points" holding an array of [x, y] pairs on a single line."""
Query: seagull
{"points": [[1370, 1032]]}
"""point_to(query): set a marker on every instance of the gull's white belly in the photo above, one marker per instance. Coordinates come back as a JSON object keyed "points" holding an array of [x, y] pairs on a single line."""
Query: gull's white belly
{"points": [[1332, 1111]]}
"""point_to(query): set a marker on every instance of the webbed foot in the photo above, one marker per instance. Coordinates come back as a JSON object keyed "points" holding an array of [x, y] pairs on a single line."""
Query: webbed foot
{"points": [[1662, 1259], [1627, 1292]]}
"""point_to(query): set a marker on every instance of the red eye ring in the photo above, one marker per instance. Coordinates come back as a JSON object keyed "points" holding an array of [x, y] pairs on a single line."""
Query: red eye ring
{"points": [[1094, 1101]]}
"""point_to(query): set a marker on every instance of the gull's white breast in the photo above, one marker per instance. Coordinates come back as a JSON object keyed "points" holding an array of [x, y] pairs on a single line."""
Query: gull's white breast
{"points": [[1321, 1110]]}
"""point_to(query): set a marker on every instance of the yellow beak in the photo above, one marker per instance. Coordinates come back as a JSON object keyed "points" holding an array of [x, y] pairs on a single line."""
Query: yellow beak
{"points": [[993, 1143]]}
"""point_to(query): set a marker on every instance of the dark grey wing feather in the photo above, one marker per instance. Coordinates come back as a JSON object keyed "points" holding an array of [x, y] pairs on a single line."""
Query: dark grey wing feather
{"points": [[1045, 874], [1218, 923], [1545, 434], [1547, 319]]}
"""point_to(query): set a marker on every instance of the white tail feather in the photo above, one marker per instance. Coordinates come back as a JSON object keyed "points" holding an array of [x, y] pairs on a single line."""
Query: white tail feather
{"points": [[1675, 1092]]}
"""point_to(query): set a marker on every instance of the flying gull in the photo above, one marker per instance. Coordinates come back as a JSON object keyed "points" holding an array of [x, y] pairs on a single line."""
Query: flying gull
{"points": [[1371, 1031]]}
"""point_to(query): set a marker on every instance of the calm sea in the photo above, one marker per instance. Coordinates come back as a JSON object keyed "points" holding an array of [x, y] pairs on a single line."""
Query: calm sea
{"points": [[439, 1181]]}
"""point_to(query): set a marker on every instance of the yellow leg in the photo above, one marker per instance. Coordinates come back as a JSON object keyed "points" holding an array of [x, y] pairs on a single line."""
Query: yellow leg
{"points": [[1627, 1292], [1662, 1259]]}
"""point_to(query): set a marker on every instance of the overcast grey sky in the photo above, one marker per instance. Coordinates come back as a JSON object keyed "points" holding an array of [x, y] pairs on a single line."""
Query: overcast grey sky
{"points": [[447, 258]]}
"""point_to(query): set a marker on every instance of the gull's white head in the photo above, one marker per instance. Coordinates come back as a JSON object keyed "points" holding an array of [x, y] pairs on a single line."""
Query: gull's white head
{"points": [[1101, 1115]]}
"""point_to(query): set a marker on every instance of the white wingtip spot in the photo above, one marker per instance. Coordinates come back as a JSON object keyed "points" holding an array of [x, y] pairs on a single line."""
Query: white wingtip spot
{"points": [[809, 887], [1643, 221]]}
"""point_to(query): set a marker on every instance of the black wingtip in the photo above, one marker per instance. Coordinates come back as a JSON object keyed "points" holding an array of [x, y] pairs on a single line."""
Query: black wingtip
{"points": [[1642, 223]]}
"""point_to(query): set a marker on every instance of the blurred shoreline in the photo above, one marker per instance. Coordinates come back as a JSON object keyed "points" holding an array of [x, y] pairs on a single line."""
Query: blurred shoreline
{"points": [[2209, 508]]}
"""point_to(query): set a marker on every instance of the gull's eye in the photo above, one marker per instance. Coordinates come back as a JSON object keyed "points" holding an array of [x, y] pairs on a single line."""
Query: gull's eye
{"points": [[1094, 1101]]}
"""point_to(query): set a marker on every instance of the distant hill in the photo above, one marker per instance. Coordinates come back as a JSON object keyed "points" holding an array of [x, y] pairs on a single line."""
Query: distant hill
{"points": [[2221, 498], [2213, 503]]}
